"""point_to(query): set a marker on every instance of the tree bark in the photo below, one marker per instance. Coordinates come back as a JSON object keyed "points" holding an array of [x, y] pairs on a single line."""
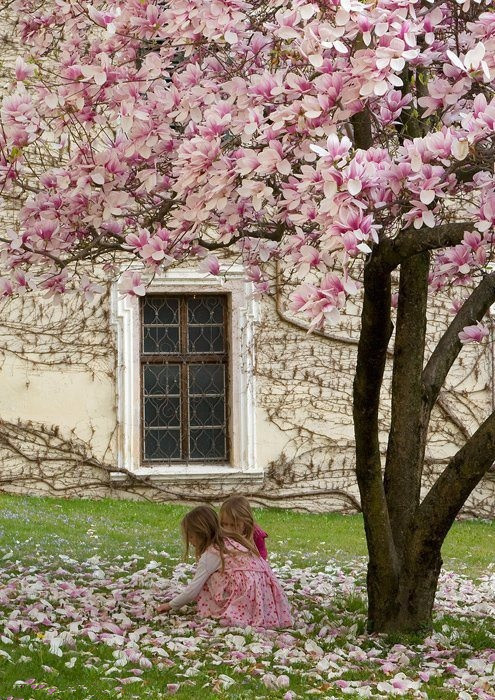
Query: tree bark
{"points": [[410, 609], [449, 345], [383, 568], [448, 494], [402, 574], [393, 251], [405, 536], [404, 453]]}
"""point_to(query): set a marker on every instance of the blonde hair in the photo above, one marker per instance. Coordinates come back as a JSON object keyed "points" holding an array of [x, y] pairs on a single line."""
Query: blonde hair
{"points": [[201, 527], [238, 510]]}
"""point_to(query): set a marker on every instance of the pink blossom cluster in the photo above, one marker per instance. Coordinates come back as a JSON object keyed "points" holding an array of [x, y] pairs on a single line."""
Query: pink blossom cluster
{"points": [[161, 131]]}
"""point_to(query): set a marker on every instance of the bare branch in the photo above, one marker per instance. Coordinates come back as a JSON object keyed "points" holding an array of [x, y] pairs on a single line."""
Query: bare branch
{"points": [[449, 345], [449, 493]]}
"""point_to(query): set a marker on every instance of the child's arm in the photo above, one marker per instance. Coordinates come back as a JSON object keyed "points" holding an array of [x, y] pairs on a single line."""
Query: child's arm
{"points": [[259, 536], [208, 563]]}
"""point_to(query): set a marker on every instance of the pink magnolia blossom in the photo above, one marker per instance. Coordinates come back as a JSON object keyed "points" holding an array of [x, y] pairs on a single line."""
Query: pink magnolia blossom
{"points": [[393, 105], [132, 284], [6, 287], [55, 285], [473, 334], [23, 70], [19, 118], [210, 265], [90, 288]]}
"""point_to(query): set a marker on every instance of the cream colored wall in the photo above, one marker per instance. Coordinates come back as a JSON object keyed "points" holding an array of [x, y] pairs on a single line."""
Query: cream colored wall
{"points": [[305, 386], [57, 393], [58, 417], [72, 399]]}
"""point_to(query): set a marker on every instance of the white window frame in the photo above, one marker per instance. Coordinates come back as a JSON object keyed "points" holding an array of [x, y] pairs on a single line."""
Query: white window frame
{"points": [[242, 400]]}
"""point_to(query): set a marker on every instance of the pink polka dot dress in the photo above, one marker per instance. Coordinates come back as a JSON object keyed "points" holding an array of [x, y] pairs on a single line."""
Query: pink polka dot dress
{"points": [[246, 593]]}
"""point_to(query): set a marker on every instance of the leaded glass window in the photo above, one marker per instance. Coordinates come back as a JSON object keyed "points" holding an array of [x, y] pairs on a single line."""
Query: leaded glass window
{"points": [[184, 365]]}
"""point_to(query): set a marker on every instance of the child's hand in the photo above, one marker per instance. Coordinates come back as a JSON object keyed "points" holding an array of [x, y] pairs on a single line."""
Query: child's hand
{"points": [[166, 607]]}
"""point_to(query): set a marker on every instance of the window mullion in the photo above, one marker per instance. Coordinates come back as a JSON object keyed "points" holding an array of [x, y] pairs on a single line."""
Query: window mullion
{"points": [[184, 389]]}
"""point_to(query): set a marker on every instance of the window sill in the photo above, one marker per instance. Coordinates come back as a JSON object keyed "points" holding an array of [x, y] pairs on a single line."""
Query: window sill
{"points": [[182, 473]]}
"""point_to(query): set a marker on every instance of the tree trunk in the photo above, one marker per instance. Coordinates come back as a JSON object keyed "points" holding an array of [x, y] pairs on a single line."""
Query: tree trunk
{"points": [[405, 451], [371, 358], [410, 607], [402, 600], [404, 533]]}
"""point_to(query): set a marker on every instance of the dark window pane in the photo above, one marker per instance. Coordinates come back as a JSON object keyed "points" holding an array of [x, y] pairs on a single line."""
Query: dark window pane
{"points": [[161, 411], [161, 444], [160, 339], [205, 310], [161, 379], [207, 443], [206, 379], [188, 421], [205, 338], [207, 410], [160, 311]]}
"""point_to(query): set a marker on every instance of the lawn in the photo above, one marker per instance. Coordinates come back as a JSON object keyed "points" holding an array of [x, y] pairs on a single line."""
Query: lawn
{"points": [[79, 581]]}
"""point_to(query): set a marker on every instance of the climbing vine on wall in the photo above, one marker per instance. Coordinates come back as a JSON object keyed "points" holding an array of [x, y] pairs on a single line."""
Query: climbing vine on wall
{"points": [[305, 387], [306, 395], [74, 334]]}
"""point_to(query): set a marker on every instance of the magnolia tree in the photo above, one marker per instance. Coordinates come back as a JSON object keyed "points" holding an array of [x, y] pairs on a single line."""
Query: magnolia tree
{"points": [[346, 141]]}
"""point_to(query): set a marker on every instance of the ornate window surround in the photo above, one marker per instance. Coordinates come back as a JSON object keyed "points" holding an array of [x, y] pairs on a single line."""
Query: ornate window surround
{"points": [[243, 314]]}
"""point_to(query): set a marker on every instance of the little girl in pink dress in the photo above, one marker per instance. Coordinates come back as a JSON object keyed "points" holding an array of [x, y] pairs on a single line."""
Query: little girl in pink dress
{"points": [[236, 516], [232, 583]]}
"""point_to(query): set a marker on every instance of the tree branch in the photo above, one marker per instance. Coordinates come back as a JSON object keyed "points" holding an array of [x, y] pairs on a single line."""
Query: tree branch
{"points": [[361, 124], [462, 474], [392, 252], [296, 323], [370, 365], [266, 234], [404, 454], [449, 345]]}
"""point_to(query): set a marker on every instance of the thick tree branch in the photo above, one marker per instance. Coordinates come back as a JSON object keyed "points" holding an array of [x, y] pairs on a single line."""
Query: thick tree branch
{"points": [[370, 365], [393, 251], [361, 121], [266, 234], [449, 345], [363, 135], [449, 493], [404, 455]]}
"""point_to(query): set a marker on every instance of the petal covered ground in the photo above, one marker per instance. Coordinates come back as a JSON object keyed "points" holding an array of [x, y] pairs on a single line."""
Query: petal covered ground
{"points": [[89, 629]]}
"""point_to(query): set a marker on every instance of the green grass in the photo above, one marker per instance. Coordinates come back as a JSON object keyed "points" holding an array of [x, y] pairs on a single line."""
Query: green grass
{"points": [[105, 526], [40, 529], [470, 547]]}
